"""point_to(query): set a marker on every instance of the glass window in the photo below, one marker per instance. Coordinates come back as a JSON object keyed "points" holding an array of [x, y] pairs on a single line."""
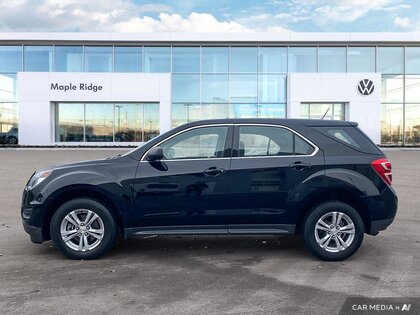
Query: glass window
{"points": [[179, 114], [270, 141], [302, 59], [99, 122], [332, 59], [412, 124], [70, 122], [272, 59], [412, 65], [127, 59], [215, 59], [392, 89], [157, 59], [214, 88], [243, 59], [151, 121], [68, 58], [390, 60], [361, 59], [98, 59], [184, 113], [128, 122], [8, 117], [243, 88], [332, 111], [10, 58], [186, 88], [272, 88], [207, 142], [95, 122], [38, 58], [8, 87], [392, 124], [243, 111], [272, 110], [412, 88], [186, 59]]}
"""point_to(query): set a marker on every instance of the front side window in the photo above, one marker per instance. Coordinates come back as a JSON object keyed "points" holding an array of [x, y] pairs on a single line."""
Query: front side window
{"points": [[200, 143], [271, 141]]}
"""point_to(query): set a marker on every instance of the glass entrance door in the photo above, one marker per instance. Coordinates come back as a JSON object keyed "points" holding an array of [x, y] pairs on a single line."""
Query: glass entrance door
{"points": [[331, 111]]}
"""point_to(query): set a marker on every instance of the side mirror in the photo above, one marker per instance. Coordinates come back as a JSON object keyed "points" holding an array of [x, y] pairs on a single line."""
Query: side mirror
{"points": [[155, 154]]}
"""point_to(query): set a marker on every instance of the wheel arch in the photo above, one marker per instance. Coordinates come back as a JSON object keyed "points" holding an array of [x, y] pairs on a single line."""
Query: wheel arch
{"points": [[343, 195], [70, 193]]}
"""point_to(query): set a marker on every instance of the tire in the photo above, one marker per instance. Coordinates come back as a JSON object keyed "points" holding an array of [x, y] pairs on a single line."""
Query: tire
{"points": [[332, 244], [12, 140], [90, 237]]}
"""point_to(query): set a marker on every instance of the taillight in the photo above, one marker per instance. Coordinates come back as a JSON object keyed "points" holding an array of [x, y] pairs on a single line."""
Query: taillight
{"points": [[384, 169]]}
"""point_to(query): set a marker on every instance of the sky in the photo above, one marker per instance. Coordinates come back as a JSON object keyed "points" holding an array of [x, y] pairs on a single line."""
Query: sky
{"points": [[218, 16]]}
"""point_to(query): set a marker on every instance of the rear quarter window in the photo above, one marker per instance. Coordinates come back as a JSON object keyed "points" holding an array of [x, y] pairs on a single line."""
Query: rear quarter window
{"points": [[351, 137]]}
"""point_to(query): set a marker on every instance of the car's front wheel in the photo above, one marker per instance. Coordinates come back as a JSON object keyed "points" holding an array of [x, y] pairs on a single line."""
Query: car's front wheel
{"points": [[83, 229], [333, 231]]}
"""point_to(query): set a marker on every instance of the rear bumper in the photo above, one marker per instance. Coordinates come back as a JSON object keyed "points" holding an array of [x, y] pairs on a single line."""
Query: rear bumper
{"points": [[379, 225], [35, 233]]}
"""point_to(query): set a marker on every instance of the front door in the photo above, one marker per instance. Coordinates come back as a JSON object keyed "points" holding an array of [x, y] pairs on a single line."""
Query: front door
{"points": [[188, 190], [270, 171]]}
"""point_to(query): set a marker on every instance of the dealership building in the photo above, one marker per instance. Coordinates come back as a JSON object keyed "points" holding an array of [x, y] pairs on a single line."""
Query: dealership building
{"points": [[126, 88]]}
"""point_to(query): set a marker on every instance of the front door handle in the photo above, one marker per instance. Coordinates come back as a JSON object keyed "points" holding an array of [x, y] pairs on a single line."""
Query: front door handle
{"points": [[299, 166], [213, 171]]}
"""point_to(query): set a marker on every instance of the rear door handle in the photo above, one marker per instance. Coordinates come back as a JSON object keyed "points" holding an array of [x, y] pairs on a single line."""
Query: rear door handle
{"points": [[213, 171], [299, 166]]}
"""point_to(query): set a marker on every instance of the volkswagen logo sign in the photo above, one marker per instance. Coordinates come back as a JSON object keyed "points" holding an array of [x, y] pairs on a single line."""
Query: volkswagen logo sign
{"points": [[365, 87]]}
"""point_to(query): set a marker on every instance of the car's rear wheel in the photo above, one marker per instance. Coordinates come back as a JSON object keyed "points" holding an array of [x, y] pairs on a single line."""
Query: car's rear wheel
{"points": [[83, 229], [333, 231]]}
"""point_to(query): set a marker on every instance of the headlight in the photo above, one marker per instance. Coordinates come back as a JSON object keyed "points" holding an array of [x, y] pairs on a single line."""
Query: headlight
{"points": [[38, 178]]}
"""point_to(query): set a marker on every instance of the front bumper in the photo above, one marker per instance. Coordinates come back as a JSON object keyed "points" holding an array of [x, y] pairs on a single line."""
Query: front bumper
{"points": [[34, 232]]}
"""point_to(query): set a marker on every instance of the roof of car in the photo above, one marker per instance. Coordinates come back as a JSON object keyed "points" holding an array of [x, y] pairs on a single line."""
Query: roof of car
{"points": [[286, 122]]}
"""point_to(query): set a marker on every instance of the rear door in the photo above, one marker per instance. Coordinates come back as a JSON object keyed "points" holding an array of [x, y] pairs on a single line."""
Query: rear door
{"points": [[272, 170]]}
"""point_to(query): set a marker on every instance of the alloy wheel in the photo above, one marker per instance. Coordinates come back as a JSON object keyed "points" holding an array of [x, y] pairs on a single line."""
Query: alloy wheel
{"points": [[82, 230], [334, 231]]}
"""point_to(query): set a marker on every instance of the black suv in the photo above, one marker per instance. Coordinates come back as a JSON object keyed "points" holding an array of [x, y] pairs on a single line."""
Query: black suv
{"points": [[323, 179]]}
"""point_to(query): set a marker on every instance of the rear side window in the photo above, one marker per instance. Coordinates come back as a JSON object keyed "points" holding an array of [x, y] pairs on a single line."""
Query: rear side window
{"points": [[271, 141], [350, 136], [343, 136]]}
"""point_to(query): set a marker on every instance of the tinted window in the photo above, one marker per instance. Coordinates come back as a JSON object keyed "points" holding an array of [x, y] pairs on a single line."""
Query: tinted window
{"points": [[350, 136], [271, 141], [332, 59], [302, 59], [10, 58], [243, 59], [38, 58], [186, 59], [127, 59], [361, 59], [214, 59], [98, 59], [157, 59], [68, 58], [200, 143], [343, 136]]}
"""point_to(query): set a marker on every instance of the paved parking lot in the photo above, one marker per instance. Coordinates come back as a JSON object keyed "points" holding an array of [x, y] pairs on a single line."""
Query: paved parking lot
{"points": [[201, 275]]}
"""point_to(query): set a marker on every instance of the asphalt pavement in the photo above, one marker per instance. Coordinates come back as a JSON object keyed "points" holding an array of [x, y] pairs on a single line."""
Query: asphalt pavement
{"points": [[203, 274]]}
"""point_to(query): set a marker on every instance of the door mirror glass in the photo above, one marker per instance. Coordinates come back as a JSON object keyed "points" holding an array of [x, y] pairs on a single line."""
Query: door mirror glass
{"points": [[155, 154]]}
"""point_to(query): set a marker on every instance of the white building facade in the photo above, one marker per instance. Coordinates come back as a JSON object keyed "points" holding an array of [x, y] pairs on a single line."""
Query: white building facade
{"points": [[123, 89]]}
